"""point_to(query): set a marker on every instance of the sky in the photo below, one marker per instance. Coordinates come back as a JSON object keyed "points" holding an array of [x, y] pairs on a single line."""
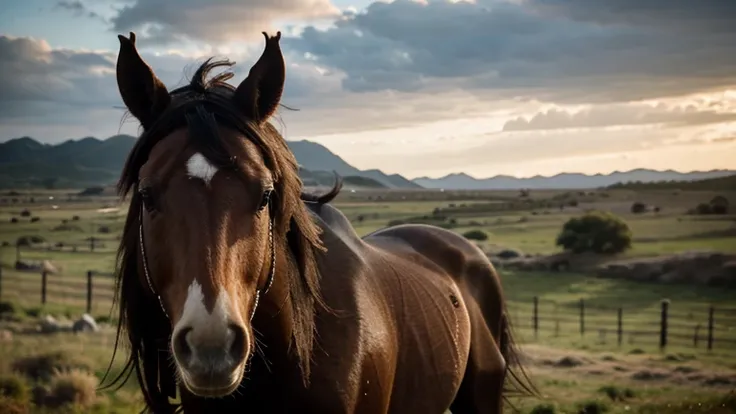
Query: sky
{"points": [[419, 88]]}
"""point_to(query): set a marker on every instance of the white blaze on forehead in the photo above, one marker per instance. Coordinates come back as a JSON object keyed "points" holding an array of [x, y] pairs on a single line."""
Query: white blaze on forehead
{"points": [[198, 166], [207, 328]]}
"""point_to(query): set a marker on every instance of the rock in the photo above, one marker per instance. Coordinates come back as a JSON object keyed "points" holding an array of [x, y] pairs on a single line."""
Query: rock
{"points": [[85, 324], [49, 324]]}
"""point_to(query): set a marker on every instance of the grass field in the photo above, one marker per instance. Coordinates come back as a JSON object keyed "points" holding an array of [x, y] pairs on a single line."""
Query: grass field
{"points": [[569, 368]]}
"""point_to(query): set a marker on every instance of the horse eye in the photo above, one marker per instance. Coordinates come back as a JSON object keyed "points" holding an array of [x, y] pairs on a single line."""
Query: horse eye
{"points": [[265, 200], [147, 198]]}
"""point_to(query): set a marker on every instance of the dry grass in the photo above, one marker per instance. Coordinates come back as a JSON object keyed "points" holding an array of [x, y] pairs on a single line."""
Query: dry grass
{"points": [[72, 387]]}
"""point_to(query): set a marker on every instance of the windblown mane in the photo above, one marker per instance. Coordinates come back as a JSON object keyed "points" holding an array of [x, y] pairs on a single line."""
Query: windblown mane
{"points": [[201, 106]]}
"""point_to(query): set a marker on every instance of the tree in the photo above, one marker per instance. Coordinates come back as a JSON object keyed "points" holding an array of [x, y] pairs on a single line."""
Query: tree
{"points": [[595, 231], [479, 235], [719, 205]]}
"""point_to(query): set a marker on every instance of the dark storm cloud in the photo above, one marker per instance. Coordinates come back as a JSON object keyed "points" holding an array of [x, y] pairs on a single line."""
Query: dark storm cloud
{"points": [[530, 49], [36, 79]]}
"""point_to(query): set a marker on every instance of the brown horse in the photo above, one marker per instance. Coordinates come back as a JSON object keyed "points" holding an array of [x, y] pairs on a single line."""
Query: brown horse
{"points": [[247, 294]]}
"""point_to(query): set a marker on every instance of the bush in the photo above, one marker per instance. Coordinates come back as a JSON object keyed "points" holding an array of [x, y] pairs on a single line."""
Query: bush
{"points": [[7, 308], [14, 387], [43, 367], [703, 209], [35, 219], [73, 387], [25, 213], [719, 205], [75, 218], [544, 409], [617, 394], [592, 407], [479, 235], [15, 396], [11, 406], [638, 207], [595, 231]]}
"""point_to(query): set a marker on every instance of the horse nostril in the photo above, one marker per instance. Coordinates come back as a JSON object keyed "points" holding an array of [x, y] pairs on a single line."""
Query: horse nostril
{"points": [[237, 348], [181, 346]]}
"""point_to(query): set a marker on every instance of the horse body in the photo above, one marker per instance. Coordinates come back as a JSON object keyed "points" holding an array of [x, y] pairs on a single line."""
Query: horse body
{"points": [[247, 294], [402, 334]]}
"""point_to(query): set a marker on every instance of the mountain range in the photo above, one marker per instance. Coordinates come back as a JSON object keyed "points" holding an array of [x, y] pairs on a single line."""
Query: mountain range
{"points": [[25, 162], [566, 180]]}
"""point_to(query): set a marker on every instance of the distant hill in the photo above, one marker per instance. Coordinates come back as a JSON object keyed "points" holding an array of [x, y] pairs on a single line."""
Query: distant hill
{"points": [[565, 180], [25, 162], [727, 183]]}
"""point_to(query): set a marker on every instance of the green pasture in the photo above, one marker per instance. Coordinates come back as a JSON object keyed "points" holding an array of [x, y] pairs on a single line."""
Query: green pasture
{"points": [[531, 230]]}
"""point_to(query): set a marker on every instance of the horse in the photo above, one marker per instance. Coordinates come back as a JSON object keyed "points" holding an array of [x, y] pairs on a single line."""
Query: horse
{"points": [[239, 290]]}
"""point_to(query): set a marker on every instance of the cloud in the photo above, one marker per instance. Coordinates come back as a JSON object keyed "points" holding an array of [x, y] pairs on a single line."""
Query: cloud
{"points": [[39, 81], [499, 48], [618, 115], [78, 9], [681, 15], [215, 21]]}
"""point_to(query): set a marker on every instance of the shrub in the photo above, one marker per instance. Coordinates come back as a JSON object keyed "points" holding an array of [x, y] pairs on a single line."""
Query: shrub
{"points": [[572, 203], [35, 219], [479, 235], [617, 394], [719, 205], [43, 367], [103, 229], [592, 407], [703, 209], [75, 218], [14, 219], [15, 396], [544, 409], [72, 387], [509, 254], [11, 406], [7, 308], [14, 387], [638, 207], [595, 231], [25, 213]]}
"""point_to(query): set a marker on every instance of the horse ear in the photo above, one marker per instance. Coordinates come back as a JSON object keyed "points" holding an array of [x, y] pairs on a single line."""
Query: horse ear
{"points": [[260, 93], [145, 96]]}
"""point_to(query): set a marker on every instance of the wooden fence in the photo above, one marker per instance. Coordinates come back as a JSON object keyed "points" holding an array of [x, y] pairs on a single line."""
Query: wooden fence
{"points": [[666, 324], [88, 292]]}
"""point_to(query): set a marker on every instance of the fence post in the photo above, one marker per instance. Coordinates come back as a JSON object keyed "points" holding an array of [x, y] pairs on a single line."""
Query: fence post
{"points": [[582, 317], [44, 276], [620, 326], [1, 282], [711, 312], [663, 324], [89, 291], [535, 317]]}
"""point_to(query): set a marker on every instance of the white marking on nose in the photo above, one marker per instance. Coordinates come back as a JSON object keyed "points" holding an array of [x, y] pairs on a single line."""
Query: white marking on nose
{"points": [[198, 166], [210, 329]]}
